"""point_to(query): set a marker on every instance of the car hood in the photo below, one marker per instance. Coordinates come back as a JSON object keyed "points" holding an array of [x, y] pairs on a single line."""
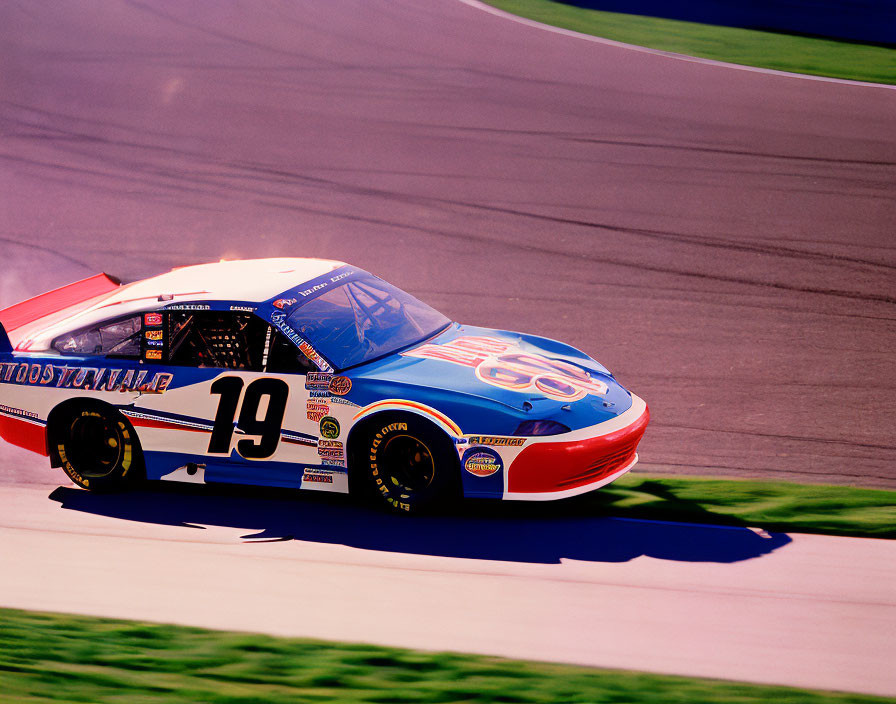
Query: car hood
{"points": [[488, 381]]}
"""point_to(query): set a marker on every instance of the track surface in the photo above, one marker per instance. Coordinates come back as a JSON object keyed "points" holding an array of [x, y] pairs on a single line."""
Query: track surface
{"points": [[722, 240], [801, 610]]}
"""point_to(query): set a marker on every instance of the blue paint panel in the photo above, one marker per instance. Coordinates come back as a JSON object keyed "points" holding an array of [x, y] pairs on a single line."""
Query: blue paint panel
{"points": [[490, 486], [233, 469], [479, 407]]}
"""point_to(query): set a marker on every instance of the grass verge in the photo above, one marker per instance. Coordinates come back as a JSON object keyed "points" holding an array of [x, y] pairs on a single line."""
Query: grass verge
{"points": [[784, 52], [49, 657], [776, 506]]}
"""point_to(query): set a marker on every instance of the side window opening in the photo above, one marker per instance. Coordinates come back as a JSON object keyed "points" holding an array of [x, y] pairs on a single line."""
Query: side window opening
{"points": [[116, 338], [232, 341], [216, 339]]}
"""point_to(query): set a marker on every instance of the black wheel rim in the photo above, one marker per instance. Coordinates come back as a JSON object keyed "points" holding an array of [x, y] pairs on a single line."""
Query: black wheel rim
{"points": [[95, 446], [409, 465]]}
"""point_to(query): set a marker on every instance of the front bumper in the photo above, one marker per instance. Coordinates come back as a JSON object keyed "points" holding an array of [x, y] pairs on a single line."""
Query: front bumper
{"points": [[574, 463]]}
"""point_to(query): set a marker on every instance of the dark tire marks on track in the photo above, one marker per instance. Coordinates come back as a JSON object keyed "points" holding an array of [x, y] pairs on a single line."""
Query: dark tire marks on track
{"points": [[722, 239]]}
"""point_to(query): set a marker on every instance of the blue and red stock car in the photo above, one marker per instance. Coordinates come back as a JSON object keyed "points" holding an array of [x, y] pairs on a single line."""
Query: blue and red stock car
{"points": [[304, 373]]}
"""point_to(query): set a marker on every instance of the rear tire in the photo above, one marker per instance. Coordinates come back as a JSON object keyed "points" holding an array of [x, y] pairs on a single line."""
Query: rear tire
{"points": [[409, 465], [97, 448]]}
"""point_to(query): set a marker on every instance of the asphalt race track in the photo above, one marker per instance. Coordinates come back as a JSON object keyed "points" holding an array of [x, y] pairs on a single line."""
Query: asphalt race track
{"points": [[721, 239]]}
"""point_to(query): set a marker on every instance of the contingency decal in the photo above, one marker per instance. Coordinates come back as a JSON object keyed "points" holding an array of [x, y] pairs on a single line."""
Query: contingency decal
{"points": [[482, 461], [340, 385], [497, 441], [86, 378], [329, 428], [504, 364], [278, 318], [331, 452]]}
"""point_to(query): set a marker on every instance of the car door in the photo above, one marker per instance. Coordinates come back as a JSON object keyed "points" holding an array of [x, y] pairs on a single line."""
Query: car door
{"points": [[237, 407]]}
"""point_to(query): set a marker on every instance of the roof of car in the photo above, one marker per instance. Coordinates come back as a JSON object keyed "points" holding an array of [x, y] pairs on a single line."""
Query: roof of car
{"points": [[251, 280], [242, 280]]}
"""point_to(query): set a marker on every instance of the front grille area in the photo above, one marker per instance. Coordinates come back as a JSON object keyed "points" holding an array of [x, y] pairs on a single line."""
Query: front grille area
{"points": [[602, 466], [559, 466]]}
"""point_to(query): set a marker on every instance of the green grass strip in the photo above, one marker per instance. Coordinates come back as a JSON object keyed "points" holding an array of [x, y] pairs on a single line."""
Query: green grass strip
{"points": [[784, 52], [51, 658], [775, 506]]}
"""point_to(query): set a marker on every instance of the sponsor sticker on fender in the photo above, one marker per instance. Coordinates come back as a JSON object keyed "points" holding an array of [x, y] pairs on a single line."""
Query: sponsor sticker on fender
{"points": [[317, 475], [317, 380], [482, 461], [329, 427], [340, 385], [496, 441], [282, 303], [154, 334], [152, 319]]}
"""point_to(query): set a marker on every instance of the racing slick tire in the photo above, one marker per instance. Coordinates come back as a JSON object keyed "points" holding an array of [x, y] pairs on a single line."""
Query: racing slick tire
{"points": [[96, 447], [408, 465]]}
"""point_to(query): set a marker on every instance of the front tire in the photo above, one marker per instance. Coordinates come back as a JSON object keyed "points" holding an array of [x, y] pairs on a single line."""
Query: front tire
{"points": [[97, 448], [410, 466]]}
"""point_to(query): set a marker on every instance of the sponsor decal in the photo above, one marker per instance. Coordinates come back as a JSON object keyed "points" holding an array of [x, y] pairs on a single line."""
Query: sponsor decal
{"points": [[278, 319], [153, 354], [188, 306], [496, 441], [340, 385], [504, 364], [317, 475], [87, 378], [331, 450], [18, 412], [482, 461], [308, 291], [243, 309], [317, 380], [312, 354], [304, 293], [343, 401], [282, 303], [316, 416], [319, 393], [152, 319], [155, 335], [329, 427], [339, 277], [155, 343]]}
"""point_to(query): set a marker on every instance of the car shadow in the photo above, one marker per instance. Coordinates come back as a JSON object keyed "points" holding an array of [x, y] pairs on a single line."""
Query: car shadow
{"points": [[482, 530]]}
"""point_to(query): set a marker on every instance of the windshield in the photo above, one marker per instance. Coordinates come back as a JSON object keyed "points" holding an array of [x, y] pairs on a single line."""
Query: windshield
{"points": [[363, 319]]}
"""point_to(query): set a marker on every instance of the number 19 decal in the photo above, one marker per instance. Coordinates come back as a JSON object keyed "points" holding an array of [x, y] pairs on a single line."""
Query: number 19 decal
{"points": [[267, 430]]}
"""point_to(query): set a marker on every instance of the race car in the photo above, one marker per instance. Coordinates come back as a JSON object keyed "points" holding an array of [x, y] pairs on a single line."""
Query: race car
{"points": [[304, 373]]}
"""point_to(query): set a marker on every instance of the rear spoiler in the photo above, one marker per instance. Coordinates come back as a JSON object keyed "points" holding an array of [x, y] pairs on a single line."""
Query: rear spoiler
{"points": [[50, 303]]}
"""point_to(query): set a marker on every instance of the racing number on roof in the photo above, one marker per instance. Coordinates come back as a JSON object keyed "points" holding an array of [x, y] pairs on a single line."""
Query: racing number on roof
{"points": [[267, 429]]}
